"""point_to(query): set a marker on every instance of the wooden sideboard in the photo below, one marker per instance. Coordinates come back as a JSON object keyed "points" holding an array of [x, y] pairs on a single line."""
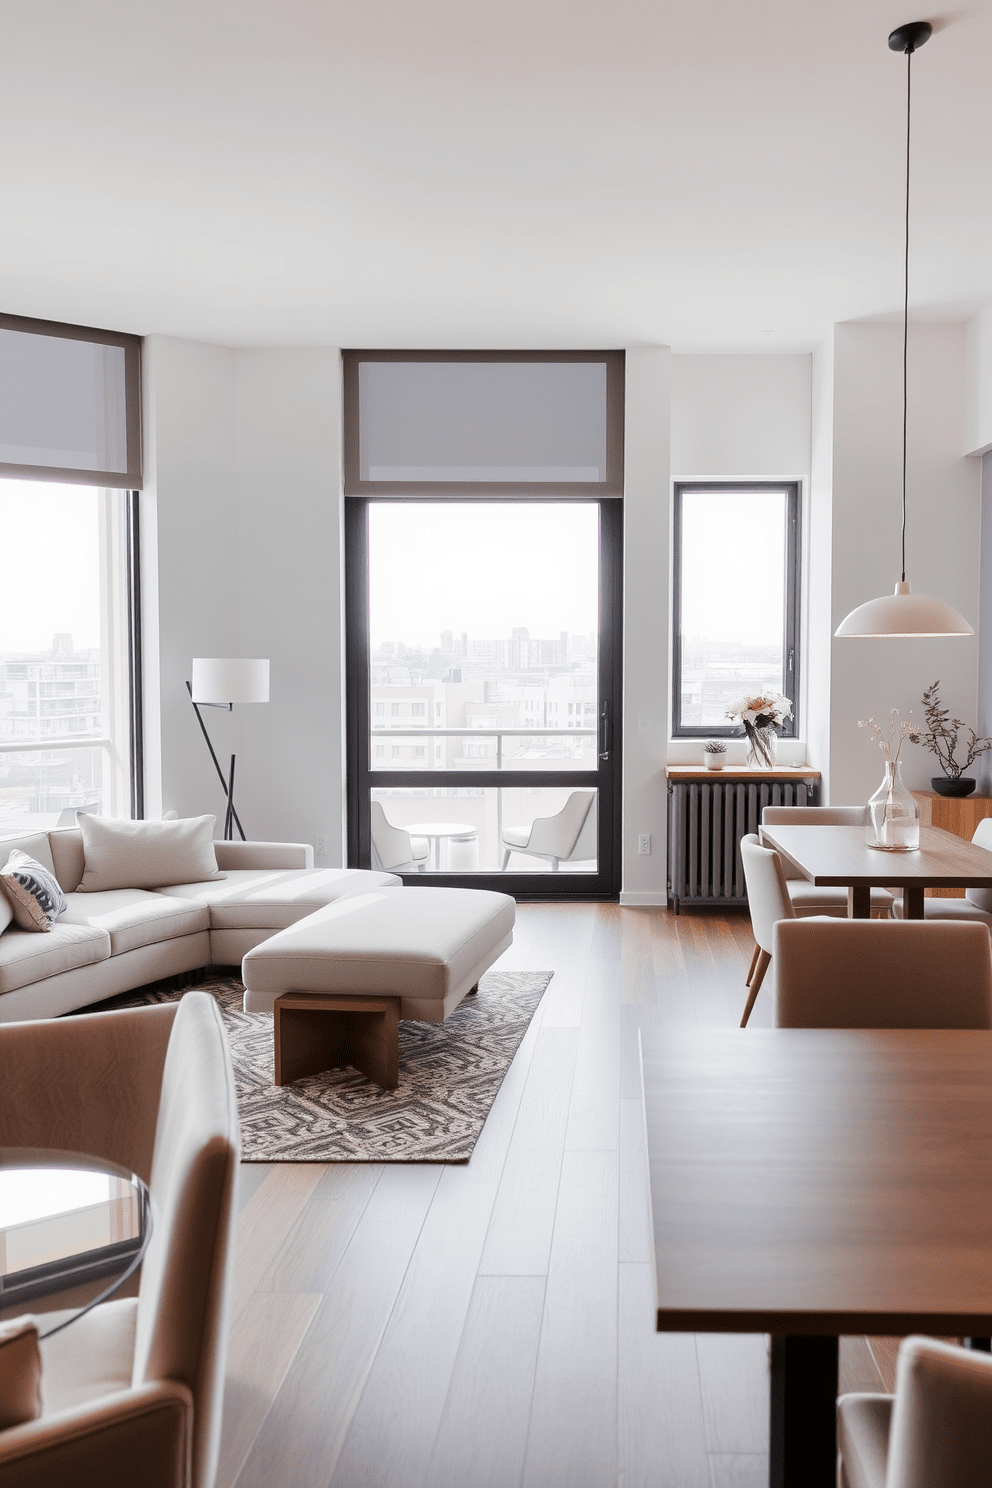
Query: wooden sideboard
{"points": [[957, 814]]}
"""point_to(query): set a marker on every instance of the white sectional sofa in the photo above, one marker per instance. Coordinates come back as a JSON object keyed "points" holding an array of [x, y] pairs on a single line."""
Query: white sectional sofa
{"points": [[110, 941]]}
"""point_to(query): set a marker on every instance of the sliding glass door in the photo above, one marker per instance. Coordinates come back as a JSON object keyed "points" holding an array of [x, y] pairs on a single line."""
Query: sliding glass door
{"points": [[483, 687]]}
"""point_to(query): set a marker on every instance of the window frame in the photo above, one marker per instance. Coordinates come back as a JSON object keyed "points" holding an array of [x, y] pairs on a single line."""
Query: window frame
{"points": [[606, 777], [791, 618], [122, 739]]}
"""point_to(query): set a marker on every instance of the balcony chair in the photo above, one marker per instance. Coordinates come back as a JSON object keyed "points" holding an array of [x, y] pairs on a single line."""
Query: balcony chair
{"points": [[810, 898], [132, 1390], [393, 850], [567, 837], [935, 1432], [882, 974]]}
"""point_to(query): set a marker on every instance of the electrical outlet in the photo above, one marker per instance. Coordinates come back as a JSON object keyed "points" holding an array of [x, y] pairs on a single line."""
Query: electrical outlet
{"points": [[644, 723], [321, 847], [644, 843]]}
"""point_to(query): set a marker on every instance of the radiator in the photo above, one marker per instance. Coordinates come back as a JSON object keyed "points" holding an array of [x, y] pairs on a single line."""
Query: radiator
{"points": [[706, 821]]}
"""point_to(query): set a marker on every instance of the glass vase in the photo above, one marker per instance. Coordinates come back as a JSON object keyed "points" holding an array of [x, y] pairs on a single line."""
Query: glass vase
{"points": [[762, 747], [893, 819]]}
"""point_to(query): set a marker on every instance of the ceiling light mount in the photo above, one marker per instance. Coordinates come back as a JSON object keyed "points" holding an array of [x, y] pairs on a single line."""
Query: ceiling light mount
{"points": [[904, 613], [911, 37]]}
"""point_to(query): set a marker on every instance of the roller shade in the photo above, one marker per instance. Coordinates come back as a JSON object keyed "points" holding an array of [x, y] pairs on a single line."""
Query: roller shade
{"points": [[69, 404], [512, 423]]}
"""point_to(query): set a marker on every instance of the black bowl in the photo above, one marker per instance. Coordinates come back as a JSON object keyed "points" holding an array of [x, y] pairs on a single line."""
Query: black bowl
{"points": [[947, 785]]}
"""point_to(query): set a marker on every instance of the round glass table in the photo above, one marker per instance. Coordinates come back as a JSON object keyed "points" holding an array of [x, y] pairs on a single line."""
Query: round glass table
{"points": [[73, 1228]]}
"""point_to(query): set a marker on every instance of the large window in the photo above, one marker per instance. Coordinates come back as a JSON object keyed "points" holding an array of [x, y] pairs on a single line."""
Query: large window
{"points": [[66, 733], [736, 600], [483, 567]]}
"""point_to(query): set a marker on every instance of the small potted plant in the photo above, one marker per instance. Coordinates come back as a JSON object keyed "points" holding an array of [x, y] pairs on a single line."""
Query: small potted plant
{"points": [[941, 738], [714, 754]]}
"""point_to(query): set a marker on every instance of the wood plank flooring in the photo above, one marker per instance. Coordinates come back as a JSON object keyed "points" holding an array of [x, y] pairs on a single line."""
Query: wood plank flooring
{"points": [[491, 1325]]}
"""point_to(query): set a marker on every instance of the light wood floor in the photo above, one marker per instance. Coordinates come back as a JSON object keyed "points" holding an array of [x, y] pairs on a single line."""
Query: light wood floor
{"points": [[490, 1325]]}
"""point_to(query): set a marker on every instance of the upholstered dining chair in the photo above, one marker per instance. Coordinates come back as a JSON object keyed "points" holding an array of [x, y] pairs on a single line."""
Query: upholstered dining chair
{"points": [[882, 974], [132, 1390], [935, 1432], [816, 899], [768, 900], [393, 849], [976, 904], [568, 836]]}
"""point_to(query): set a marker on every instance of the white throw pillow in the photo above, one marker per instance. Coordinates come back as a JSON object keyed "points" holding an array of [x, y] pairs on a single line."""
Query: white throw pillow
{"points": [[146, 854], [6, 912], [20, 1372], [33, 892]]}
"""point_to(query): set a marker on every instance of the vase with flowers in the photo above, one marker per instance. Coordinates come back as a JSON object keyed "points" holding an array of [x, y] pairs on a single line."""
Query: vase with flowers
{"points": [[892, 820], [760, 715]]}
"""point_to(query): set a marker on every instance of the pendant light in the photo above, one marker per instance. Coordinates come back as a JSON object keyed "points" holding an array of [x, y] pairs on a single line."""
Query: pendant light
{"points": [[904, 613]]}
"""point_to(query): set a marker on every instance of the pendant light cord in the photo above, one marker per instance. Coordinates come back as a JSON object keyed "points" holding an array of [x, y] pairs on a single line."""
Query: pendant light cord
{"points": [[905, 313]]}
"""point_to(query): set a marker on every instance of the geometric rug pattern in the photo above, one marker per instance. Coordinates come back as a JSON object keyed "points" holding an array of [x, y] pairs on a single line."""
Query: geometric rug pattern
{"points": [[449, 1075]]}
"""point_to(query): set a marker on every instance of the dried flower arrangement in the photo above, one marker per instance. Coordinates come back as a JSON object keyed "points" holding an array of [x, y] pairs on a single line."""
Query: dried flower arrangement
{"points": [[899, 731], [757, 712], [941, 735]]}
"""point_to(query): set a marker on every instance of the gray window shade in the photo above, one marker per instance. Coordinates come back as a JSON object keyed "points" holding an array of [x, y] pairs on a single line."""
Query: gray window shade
{"points": [[69, 404], [484, 423]]}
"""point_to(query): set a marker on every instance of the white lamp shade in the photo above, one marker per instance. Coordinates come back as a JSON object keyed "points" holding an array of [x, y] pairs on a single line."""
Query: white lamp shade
{"points": [[902, 614], [230, 680]]}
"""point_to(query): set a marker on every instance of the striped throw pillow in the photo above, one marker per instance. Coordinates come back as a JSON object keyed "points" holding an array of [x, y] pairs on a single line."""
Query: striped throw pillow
{"points": [[34, 892]]}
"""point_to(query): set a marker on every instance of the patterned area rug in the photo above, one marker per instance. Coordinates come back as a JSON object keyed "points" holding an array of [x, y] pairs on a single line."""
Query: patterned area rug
{"points": [[449, 1075]]}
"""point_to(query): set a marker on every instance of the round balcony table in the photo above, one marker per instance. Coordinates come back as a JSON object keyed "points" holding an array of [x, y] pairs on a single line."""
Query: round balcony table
{"points": [[436, 830], [73, 1229]]}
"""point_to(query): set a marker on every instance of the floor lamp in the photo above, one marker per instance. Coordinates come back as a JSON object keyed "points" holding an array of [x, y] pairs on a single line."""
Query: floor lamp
{"points": [[220, 682]]}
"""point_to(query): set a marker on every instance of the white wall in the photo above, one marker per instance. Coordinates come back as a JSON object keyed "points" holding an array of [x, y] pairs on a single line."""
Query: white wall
{"points": [[646, 620], [243, 456], [190, 560], [978, 420], [982, 769], [740, 417], [817, 545], [291, 574], [942, 556]]}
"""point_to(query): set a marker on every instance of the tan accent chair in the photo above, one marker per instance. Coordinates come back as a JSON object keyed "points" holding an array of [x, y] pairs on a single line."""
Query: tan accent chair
{"points": [[818, 899], [567, 837], [768, 901], [394, 849], [882, 974], [976, 904], [935, 1432], [132, 1390]]}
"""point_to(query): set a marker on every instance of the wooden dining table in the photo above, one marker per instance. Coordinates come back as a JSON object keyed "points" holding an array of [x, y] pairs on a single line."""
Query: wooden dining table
{"points": [[810, 1183], [840, 856]]}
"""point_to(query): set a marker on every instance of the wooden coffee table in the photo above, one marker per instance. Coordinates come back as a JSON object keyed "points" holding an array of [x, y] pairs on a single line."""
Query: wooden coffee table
{"points": [[314, 1031]]}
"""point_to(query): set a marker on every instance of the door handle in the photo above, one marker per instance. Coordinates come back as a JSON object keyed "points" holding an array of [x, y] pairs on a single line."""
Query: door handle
{"points": [[604, 731]]}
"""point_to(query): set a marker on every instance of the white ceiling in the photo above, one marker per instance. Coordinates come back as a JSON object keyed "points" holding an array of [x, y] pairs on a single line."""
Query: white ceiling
{"points": [[702, 173]]}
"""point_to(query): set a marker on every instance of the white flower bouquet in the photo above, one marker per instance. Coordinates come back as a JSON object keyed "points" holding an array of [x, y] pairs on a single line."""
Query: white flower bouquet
{"points": [[759, 715]]}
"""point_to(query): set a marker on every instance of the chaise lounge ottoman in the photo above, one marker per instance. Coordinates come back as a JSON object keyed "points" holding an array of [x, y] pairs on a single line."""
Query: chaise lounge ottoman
{"points": [[338, 982]]}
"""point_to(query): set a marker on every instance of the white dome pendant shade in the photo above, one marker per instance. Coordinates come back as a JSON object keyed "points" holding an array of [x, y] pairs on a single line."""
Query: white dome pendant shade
{"points": [[902, 614]]}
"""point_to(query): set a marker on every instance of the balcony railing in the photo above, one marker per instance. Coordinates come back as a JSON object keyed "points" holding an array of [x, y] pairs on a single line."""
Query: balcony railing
{"points": [[557, 731]]}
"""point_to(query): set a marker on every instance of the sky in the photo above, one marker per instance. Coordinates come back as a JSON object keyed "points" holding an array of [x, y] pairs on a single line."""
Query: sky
{"points": [[49, 565], [734, 589], [482, 567]]}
